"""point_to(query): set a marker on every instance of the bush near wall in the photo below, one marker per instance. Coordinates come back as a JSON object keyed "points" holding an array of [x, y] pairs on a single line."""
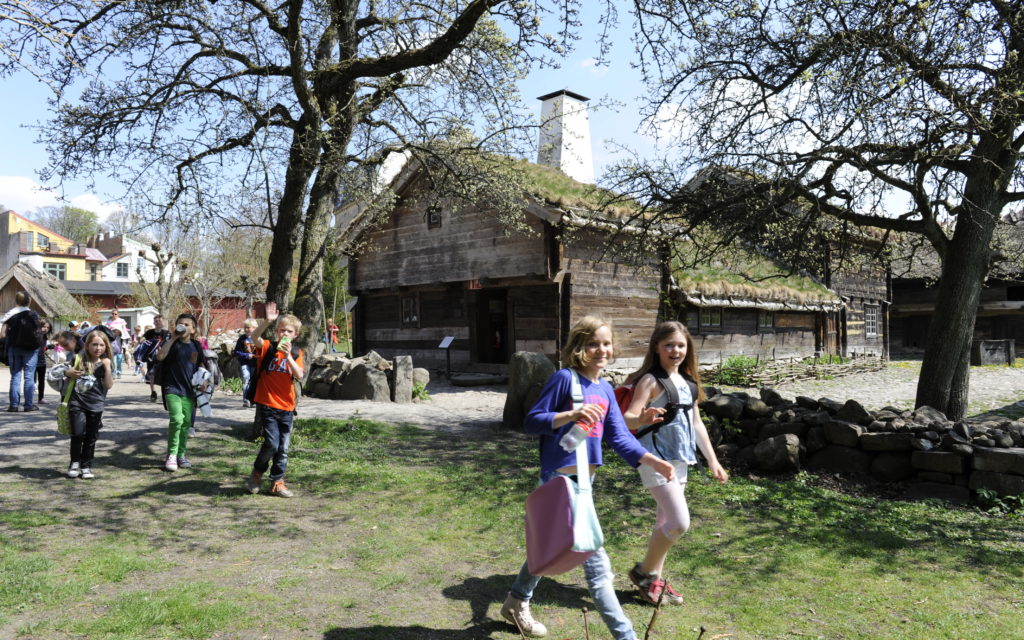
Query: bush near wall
{"points": [[931, 456]]}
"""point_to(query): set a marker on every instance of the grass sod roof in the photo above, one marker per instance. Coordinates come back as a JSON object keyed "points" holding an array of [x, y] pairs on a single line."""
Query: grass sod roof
{"points": [[559, 190], [749, 280]]}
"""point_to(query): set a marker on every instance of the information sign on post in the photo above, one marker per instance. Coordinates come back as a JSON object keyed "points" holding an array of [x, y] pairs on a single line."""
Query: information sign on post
{"points": [[446, 344]]}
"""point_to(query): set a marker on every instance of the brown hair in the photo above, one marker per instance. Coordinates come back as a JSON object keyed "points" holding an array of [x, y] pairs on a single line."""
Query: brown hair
{"points": [[574, 353], [689, 368]]}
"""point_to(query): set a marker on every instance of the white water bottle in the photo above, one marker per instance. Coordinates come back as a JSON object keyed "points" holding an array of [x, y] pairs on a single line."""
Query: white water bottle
{"points": [[575, 436]]}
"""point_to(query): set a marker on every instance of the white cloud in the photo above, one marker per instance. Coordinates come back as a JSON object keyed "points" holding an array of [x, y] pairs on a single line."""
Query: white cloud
{"points": [[596, 69], [25, 195]]}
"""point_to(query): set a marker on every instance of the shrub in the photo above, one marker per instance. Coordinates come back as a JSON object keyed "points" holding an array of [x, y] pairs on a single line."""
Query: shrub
{"points": [[234, 385], [736, 371], [419, 391]]}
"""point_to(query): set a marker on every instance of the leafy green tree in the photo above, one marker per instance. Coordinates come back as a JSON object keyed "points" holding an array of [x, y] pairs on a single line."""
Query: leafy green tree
{"points": [[899, 115], [300, 99], [73, 223]]}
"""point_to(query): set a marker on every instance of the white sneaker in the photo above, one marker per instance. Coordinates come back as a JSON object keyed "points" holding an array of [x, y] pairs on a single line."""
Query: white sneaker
{"points": [[87, 473], [518, 613], [171, 463], [73, 470]]}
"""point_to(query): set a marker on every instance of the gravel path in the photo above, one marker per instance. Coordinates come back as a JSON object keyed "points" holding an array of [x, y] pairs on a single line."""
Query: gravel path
{"points": [[130, 419]]}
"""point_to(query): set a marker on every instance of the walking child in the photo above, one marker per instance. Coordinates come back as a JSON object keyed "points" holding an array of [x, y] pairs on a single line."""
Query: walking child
{"points": [[673, 429], [587, 352], [245, 348], [275, 399], [178, 359], [45, 328], [85, 406]]}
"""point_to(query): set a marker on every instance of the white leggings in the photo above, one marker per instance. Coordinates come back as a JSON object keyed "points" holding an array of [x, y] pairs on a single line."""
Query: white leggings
{"points": [[673, 514]]}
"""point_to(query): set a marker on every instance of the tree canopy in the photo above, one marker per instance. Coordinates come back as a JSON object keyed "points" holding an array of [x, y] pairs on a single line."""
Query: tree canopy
{"points": [[200, 105], [903, 116], [73, 223]]}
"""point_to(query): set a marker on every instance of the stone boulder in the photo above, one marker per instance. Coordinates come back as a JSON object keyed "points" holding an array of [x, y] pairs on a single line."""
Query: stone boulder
{"points": [[724, 406], [830, 405], [937, 461], [839, 459], [891, 467], [854, 412], [928, 415], [843, 433], [771, 397], [887, 441], [781, 453], [420, 377], [1003, 484], [999, 460], [365, 382], [807, 403], [527, 373], [401, 379], [756, 408]]}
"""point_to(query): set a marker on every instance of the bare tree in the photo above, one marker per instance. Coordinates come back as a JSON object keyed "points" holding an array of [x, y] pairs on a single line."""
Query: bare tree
{"points": [[903, 116], [166, 291], [298, 98]]}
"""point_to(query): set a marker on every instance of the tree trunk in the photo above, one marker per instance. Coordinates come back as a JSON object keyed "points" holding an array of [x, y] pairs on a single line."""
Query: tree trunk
{"points": [[309, 297], [943, 383], [302, 160]]}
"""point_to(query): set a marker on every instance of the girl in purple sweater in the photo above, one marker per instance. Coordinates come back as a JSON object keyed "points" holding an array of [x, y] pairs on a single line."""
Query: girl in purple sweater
{"points": [[588, 351]]}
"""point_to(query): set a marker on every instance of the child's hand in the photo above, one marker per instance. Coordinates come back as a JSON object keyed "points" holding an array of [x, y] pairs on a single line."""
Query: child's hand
{"points": [[718, 472], [651, 415], [272, 311], [588, 414], [74, 374], [106, 362], [666, 469]]}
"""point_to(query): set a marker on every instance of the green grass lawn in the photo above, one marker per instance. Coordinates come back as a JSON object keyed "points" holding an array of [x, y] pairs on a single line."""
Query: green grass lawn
{"points": [[404, 533]]}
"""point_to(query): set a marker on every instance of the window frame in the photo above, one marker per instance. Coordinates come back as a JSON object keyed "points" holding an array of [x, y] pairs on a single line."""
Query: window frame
{"points": [[433, 217], [871, 320], [127, 270], [409, 310], [60, 268], [761, 326], [704, 314]]}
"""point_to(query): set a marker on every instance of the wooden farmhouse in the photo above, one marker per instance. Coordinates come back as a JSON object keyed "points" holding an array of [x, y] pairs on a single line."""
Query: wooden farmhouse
{"points": [[425, 274]]}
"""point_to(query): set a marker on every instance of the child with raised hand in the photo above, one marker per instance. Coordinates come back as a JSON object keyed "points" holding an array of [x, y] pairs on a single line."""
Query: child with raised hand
{"points": [[85, 407], [673, 430], [179, 358], [275, 399], [588, 351]]}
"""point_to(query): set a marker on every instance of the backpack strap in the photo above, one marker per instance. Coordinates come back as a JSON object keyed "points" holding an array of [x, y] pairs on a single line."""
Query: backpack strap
{"points": [[673, 401], [582, 461], [71, 385]]}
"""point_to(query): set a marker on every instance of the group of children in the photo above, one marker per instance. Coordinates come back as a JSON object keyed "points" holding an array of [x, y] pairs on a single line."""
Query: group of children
{"points": [[668, 429], [176, 367]]}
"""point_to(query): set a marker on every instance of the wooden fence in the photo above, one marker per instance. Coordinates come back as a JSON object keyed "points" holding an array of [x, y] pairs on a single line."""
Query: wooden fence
{"points": [[767, 373]]}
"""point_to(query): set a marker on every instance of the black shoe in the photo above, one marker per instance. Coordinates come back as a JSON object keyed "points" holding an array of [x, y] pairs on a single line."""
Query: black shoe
{"points": [[32, 408], [152, 396], [12, 409]]}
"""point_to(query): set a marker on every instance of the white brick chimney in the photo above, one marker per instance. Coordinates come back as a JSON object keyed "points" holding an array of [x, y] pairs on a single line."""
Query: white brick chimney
{"points": [[565, 135]]}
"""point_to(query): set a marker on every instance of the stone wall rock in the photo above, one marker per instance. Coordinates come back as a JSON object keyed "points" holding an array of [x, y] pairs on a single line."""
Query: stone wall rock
{"points": [[843, 433], [780, 453], [401, 379], [999, 460], [1004, 484], [365, 382], [940, 461], [839, 459], [527, 373], [886, 441]]}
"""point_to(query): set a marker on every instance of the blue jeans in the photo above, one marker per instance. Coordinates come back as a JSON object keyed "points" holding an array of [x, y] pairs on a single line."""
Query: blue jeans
{"points": [[277, 436], [22, 363], [598, 571], [245, 370]]}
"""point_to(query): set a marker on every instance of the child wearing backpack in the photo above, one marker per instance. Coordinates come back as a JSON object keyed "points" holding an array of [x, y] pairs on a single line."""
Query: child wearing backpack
{"points": [[664, 413], [176, 362], [85, 405], [587, 352], [279, 365]]}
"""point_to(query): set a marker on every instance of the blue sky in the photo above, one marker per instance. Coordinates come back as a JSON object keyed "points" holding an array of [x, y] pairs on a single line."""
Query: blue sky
{"points": [[25, 106]]}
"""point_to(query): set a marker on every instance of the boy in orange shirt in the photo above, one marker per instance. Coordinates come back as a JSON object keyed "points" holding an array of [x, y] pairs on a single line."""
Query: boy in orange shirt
{"points": [[275, 400]]}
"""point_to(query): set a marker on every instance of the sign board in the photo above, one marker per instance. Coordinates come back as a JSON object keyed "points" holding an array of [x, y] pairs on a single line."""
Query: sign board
{"points": [[474, 284], [447, 342]]}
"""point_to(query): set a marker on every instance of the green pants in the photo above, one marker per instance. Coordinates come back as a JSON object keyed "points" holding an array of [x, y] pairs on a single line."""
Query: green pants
{"points": [[179, 409]]}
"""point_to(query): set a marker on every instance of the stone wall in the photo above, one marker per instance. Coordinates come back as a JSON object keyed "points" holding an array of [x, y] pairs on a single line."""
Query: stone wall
{"points": [[931, 456], [368, 377]]}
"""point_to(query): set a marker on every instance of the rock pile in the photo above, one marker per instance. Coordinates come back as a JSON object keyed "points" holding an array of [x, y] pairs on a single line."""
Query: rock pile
{"points": [[936, 457], [368, 377]]}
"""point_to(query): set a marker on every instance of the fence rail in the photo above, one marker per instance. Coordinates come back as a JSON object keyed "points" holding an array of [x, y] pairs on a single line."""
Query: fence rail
{"points": [[775, 372]]}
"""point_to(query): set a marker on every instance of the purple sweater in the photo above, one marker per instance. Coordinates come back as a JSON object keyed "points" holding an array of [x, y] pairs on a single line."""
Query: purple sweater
{"points": [[555, 397]]}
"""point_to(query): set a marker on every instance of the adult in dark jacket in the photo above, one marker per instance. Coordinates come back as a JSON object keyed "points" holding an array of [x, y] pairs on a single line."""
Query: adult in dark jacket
{"points": [[21, 327]]}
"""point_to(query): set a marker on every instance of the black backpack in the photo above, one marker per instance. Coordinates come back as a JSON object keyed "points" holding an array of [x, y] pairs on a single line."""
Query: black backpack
{"points": [[672, 407], [264, 366], [23, 330]]}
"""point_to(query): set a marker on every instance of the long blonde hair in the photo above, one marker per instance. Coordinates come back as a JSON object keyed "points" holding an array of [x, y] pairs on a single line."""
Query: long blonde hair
{"points": [[108, 352], [652, 363], [574, 353]]}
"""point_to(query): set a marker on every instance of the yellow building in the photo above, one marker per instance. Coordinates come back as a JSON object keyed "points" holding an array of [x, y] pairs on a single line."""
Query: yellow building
{"points": [[22, 240]]}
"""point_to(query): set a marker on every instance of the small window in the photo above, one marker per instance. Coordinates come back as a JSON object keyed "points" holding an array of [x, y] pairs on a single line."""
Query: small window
{"points": [[93, 271], [140, 264], [710, 318], [871, 320], [122, 269], [56, 269], [43, 242], [434, 218], [410, 311], [765, 320]]}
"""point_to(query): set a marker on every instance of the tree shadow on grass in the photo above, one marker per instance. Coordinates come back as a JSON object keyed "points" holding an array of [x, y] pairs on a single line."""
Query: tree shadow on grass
{"points": [[417, 632]]}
